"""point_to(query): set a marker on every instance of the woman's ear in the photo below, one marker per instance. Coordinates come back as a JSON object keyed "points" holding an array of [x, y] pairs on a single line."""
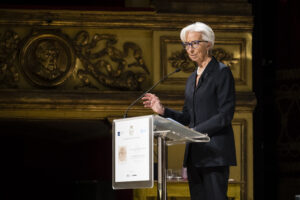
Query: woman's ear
{"points": [[209, 49], [208, 45]]}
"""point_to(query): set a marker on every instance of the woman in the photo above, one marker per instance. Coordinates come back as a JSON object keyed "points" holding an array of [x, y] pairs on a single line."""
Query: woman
{"points": [[208, 108]]}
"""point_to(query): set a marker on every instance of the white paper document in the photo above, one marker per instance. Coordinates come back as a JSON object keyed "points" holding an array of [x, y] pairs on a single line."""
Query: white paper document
{"points": [[132, 150]]}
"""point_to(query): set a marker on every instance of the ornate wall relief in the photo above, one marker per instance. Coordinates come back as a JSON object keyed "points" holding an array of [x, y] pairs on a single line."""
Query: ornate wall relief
{"points": [[109, 65], [9, 75], [49, 58]]}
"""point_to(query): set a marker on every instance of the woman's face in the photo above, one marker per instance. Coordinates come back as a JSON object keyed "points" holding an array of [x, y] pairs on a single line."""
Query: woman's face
{"points": [[200, 53]]}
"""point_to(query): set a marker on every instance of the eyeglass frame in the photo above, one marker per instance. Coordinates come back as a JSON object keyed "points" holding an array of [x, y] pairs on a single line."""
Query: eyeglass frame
{"points": [[187, 45]]}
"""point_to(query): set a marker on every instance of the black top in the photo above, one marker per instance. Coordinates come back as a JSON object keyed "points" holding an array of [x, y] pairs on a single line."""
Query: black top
{"points": [[209, 108]]}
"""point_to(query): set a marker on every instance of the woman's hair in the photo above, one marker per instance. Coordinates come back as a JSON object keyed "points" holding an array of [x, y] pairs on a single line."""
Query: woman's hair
{"points": [[207, 32]]}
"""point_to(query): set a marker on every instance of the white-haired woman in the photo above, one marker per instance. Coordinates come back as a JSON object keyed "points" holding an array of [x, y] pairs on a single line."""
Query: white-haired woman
{"points": [[208, 108]]}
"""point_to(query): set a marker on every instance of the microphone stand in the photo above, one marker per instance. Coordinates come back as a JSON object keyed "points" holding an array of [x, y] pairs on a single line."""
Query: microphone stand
{"points": [[134, 102]]}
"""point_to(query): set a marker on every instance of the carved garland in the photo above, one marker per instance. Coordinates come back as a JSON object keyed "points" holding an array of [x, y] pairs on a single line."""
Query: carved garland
{"points": [[109, 65]]}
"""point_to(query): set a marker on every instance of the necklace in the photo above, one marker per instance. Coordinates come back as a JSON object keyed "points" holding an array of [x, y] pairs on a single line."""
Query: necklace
{"points": [[199, 71]]}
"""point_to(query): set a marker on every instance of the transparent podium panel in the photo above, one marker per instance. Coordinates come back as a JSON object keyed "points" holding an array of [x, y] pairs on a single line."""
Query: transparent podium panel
{"points": [[177, 133]]}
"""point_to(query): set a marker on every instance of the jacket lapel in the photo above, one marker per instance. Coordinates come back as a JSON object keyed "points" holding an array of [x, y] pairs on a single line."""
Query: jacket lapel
{"points": [[207, 71], [192, 83]]}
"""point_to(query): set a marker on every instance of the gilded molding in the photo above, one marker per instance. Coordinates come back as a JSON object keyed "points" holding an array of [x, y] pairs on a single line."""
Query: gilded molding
{"points": [[132, 20], [230, 51], [242, 124], [9, 75], [100, 104]]}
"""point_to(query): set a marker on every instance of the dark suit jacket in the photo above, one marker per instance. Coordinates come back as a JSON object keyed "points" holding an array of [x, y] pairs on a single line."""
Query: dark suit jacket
{"points": [[209, 108]]}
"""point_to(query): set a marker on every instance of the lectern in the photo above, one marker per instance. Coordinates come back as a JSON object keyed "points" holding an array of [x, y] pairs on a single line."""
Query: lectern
{"points": [[133, 150]]}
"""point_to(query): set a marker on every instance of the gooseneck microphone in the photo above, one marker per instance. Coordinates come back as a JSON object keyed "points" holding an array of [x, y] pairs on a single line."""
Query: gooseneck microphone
{"points": [[161, 80]]}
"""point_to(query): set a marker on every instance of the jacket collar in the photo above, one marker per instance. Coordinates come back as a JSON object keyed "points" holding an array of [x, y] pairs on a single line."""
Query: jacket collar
{"points": [[207, 71]]}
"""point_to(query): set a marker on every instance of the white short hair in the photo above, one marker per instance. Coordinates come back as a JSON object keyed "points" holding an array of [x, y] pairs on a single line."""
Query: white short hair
{"points": [[207, 32]]}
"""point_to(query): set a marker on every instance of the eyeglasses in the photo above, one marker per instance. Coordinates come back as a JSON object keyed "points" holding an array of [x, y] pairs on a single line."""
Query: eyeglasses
{"points": [[194, 44]]}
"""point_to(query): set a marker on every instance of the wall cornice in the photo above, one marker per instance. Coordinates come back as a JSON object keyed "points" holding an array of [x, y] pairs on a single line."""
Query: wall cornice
{"points": [[118, 19], [65, 104]]}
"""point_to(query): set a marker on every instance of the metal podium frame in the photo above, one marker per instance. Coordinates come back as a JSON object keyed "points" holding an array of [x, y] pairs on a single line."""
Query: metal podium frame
{"points": [[170, 132]]}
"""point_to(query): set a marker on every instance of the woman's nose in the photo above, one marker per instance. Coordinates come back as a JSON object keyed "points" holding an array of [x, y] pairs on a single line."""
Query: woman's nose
{"points": [[190, 50]]}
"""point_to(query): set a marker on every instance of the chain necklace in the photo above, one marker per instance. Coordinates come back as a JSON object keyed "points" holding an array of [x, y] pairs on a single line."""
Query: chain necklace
{"points": [[199, 71]]}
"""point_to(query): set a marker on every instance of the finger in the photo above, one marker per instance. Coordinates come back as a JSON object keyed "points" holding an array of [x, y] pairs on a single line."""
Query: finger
{"points": [[148, 95], [147, 98], [147, 104]]}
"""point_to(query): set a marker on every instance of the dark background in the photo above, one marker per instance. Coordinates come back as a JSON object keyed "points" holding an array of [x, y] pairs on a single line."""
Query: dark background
{"points": [[275, 50]]}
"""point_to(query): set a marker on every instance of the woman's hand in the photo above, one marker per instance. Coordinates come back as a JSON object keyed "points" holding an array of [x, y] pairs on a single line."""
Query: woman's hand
{"points": [[153, 102]]}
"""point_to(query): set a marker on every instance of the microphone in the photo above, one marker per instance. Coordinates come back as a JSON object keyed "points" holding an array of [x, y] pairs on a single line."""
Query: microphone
{"points": [[161, 80]]}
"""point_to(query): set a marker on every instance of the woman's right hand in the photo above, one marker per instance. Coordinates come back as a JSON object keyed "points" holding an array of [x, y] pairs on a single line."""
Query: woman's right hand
{"points": [[153, 102]]}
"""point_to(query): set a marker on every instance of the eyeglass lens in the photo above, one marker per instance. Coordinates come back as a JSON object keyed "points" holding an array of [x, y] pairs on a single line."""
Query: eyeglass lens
{"points": [[193, 44]]}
